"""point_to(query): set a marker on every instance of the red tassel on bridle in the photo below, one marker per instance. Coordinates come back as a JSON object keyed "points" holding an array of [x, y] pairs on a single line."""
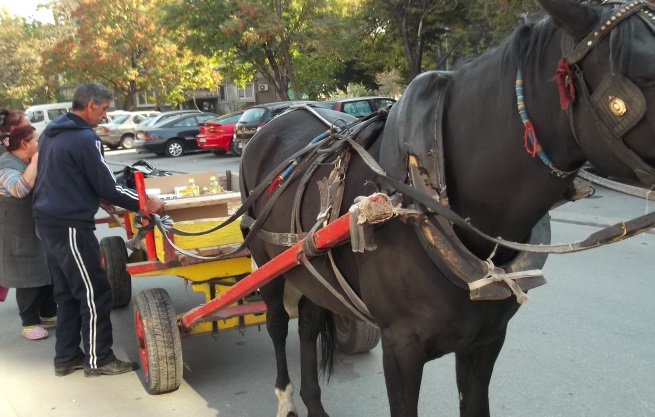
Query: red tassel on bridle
{"points": [[529, 128], [564, 73]]}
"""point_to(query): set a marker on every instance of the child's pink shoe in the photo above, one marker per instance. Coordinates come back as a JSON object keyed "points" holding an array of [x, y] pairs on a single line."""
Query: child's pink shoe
{"points": [[34, 332]]}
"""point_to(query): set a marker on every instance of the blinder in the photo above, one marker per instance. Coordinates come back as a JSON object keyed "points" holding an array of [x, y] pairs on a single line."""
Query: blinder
{"points": [[620, 103], [613, 109], [599, 121]]}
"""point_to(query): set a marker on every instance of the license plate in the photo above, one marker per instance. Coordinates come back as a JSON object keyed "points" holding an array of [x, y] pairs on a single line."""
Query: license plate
{"points": [[202, 140]]}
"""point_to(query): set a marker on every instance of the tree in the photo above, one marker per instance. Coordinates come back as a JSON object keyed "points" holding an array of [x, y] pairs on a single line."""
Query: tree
{"points": [[290, 42], [20, 78], [414, 18], [121, 44]]}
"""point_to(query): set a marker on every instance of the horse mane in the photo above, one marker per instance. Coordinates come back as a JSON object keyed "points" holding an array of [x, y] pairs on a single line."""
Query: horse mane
{"points": [[524, 47]]}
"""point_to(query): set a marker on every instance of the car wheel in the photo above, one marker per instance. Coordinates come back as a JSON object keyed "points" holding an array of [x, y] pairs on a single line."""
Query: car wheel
{"points": [[127, 141], [234, 148], [175, 148]]}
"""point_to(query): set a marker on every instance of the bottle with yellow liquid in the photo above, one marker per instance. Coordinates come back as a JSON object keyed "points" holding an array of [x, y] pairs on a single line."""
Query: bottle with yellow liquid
{"points": [[192, 189], [214, 186]]}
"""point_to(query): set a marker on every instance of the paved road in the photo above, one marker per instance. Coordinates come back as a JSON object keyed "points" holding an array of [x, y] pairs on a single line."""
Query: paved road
{"points": [[192, 162], [582, 346]]}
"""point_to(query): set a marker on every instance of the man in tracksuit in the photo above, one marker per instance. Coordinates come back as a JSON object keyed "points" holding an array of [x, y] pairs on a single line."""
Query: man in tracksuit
{"points": [[73, 181]]}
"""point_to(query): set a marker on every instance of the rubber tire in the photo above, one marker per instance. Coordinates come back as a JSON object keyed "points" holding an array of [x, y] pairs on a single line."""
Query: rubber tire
{"points": [[113, 256], [129, 139], [158, 341], [219, 152], [354, 336], [234, 149], [174, 153]]}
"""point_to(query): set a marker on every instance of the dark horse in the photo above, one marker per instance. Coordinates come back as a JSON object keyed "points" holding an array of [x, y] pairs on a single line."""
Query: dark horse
{"points": [[597, 104]]}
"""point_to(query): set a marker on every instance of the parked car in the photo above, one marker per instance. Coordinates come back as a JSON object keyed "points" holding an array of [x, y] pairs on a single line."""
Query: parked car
{"points": [[161, 117], [216, 134], [254, 118], [42, 114], [121, 129], [172, 137], [358, 106]]}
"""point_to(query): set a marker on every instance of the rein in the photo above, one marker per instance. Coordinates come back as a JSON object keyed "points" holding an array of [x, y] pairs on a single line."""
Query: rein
{"points": [[530, 134], [607, 235]]}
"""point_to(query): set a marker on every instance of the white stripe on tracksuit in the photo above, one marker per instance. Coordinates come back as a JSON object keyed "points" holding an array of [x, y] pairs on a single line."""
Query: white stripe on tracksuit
{"points": [[119, 188], [93, 319]]}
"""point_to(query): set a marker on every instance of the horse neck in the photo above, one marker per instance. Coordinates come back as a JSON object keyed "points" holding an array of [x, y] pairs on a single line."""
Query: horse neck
{"points": [[491, 178]]}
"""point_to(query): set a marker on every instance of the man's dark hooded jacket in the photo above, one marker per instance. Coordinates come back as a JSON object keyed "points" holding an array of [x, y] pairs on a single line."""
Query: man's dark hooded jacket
{"points": [[73, 176]]}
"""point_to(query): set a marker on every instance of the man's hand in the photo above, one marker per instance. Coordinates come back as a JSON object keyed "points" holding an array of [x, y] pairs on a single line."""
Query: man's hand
{"points": [[110, 209], [155, 205]]}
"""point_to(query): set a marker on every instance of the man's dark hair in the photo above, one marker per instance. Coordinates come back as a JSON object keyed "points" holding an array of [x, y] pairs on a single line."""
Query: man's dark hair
{"points": [[95, 92]]}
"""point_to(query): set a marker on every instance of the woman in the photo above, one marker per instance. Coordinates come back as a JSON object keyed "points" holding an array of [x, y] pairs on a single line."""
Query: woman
{"points": [[22, 258], [10, 120]]}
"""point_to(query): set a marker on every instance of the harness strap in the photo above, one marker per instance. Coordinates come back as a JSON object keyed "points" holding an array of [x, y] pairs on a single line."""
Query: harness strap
{"points": [[611, 234], [280, 239], [360, 314], [585, 46], [352, 295]]}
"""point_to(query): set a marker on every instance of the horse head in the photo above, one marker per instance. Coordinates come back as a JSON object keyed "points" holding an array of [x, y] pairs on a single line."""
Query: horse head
{"points": [[607, 82]]}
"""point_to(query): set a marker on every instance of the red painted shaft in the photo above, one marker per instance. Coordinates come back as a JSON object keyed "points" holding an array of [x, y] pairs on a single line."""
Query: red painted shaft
{"points": [[327, 237], [143, 205]]}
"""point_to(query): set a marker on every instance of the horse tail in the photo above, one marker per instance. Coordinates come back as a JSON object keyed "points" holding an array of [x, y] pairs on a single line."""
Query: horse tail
{"points": [[328, 346]]}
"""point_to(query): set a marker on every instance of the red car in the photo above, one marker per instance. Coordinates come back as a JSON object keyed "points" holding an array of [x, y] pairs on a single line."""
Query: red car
{"points": [[216, 134]]}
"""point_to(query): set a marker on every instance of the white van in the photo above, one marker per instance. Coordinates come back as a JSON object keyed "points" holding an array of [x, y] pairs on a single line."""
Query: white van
{"points": [[42, 114]]}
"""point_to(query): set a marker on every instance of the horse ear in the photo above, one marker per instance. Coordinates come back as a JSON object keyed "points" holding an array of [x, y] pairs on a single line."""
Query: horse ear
{"points": [[571, 16]]}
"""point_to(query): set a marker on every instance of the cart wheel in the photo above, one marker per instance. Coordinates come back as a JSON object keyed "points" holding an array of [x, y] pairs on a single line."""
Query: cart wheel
{"points": [[158, 340], [354, 336], [113, 257]]}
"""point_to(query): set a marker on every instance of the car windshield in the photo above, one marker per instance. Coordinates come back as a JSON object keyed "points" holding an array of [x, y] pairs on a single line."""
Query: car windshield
{"points": [[252, 115], [34, 116], [227, 118], [324, 104], [119, 119]]}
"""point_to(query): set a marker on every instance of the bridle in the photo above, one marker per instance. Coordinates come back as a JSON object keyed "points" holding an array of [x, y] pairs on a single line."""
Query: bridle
{"points": [[614, 108]]}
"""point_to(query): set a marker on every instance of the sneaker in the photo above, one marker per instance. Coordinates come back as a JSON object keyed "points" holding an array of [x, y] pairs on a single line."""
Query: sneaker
{"points": [[67, 370], [34, 332], [114, 367]]}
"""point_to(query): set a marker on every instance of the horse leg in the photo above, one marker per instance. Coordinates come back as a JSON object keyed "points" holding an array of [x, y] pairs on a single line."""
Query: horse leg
{"points": [[312, 319], [474, 369], [403, 359], [277, 324]]}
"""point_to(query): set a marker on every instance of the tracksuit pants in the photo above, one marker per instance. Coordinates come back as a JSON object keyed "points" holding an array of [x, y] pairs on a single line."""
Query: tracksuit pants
{"points": [[82, 292]]}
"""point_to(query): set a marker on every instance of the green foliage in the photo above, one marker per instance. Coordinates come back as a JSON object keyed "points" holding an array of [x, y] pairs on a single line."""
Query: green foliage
{"points": [[294, 44], [120, 43], [303, 48], [21, 83]]}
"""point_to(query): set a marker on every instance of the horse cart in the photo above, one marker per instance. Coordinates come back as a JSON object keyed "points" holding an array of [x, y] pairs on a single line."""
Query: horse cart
{"points": [[228, 284]]}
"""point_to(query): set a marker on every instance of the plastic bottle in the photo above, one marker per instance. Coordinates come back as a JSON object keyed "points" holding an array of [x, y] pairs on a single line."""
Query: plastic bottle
{"points": [[192, 189], [214, 186]]}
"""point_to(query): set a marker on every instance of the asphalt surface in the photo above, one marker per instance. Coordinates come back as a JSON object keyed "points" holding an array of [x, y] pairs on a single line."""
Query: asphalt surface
{"points": [[582, 346]]}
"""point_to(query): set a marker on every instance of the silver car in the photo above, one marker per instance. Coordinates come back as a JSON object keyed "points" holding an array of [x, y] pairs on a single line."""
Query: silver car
{"points": [[121, 130]]}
